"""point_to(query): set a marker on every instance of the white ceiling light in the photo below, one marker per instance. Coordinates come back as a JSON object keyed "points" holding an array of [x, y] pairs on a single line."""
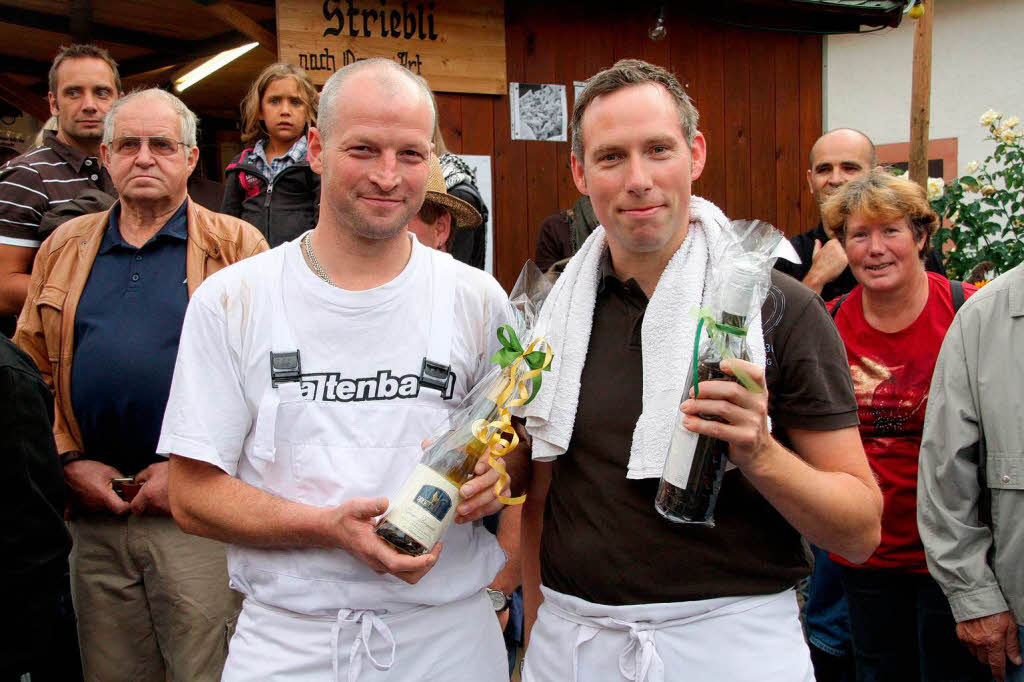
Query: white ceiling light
{"points": [[209, 66]]}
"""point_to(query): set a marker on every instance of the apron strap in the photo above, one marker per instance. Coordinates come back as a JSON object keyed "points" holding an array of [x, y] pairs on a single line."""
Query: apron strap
{"points": [[437, 365], [583, 635], [367, 621], [285, 366]]}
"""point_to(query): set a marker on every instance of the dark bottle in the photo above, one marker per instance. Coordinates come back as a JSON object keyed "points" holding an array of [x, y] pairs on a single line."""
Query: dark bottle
{"points": [[693, 472]]}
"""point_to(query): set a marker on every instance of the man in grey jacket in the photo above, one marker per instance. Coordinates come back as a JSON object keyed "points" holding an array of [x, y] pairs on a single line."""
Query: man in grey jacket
{"points": [[970, 507]]}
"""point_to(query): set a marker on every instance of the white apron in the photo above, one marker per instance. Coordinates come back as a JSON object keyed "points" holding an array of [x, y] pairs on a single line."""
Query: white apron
{"points": [[457, 641], [738, 639], [312, 451]]}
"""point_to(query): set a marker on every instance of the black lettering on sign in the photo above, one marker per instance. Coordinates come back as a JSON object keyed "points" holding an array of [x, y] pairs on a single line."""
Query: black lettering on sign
{"points": [[322, 61], [366, 25], [349, 57], [413, 64], [352, 14], [333, 14], [406, 23]]}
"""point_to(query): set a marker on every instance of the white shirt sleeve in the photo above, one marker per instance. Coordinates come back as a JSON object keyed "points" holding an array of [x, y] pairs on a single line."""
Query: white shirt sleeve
{"points": [[496, 313], [207, 417]]}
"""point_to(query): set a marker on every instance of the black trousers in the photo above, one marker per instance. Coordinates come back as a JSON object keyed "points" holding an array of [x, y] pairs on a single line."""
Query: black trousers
{"points": [[903, 629]]}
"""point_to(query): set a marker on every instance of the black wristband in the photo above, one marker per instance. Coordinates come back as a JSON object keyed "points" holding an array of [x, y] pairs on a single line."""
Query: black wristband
{"points": [[70, 456]]}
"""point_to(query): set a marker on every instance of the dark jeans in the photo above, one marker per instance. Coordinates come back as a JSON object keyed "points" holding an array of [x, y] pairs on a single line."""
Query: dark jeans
{"points": [[903, 629], [827, 622], [829, 668]]}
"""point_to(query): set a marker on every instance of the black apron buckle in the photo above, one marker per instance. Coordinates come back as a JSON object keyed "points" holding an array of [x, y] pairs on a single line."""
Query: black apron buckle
{"points": [[435, 375], [285, 367]]}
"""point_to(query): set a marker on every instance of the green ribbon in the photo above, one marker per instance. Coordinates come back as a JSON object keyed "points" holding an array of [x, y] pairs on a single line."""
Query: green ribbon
{"points": [[511, 349], [717, 332]]}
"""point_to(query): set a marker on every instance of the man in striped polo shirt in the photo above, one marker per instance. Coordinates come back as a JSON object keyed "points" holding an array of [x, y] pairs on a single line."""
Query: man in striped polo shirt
{"points": [[84, 83]]}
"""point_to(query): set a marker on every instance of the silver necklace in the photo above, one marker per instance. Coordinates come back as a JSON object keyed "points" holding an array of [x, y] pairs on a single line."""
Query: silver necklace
{"points": [[317, 268]]}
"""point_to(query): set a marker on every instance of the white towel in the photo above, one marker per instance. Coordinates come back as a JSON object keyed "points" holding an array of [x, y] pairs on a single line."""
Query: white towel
{"points": [[666, 339]]}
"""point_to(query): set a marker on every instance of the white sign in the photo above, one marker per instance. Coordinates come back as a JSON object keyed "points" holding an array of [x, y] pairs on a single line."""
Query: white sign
{"points": [[538, 111]]}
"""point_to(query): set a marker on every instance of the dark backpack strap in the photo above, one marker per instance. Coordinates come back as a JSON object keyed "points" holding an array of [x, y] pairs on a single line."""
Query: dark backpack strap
{"points": [[956, 290], [835, 310]]}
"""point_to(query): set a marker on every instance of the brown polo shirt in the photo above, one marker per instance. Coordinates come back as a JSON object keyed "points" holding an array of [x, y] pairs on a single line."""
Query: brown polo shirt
{"points": [[39, 180], [604, 542]]}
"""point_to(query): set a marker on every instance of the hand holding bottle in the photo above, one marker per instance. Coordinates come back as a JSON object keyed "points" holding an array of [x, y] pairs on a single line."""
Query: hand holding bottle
{"points": [[478, 496], [745, 425], [352, 526]]}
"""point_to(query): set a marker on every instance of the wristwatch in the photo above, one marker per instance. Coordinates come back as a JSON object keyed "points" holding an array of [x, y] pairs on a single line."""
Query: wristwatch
{"points": [[499, 600]]}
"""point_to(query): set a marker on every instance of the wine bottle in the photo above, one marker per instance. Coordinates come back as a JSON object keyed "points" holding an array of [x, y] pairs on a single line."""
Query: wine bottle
{"points": [[692, 477], [424, 507]]}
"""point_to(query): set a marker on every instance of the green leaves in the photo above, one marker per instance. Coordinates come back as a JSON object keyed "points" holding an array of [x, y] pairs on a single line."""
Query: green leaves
{"points": [[983, 211]]}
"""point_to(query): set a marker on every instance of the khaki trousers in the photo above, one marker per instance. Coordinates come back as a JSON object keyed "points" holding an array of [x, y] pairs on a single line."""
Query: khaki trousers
{"points": [[152, 602]]}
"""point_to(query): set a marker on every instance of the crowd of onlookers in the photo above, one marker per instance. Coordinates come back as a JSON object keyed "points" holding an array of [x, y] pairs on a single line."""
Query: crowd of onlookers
{"points": [[101, 250]]}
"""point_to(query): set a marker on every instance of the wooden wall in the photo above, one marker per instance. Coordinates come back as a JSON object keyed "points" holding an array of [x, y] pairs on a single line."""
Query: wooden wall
{"points": [[758, 93]]}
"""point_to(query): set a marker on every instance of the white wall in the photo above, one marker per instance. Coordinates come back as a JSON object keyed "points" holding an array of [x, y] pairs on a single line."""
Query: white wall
{"points": [[977, 64]]}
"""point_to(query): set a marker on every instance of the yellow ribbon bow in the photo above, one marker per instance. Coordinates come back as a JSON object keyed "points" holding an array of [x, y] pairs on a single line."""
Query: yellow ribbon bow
{"points": [[519, 372]]}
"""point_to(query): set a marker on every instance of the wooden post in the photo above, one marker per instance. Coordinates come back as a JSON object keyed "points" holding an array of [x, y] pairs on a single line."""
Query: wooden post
{"points": [[920, 96]]}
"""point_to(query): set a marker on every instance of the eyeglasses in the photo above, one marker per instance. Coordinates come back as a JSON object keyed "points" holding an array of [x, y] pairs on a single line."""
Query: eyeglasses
{"points": [[158, 146]]}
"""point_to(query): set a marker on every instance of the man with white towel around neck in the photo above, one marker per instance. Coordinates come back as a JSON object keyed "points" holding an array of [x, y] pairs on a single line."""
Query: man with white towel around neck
{"points": [[627, 594]]}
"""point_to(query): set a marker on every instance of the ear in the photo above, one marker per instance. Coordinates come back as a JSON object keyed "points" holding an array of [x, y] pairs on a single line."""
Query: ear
{"points": [[443, 230], [315, 151], [698, 155], [577, 174], [104, 154], [192, 160], [54, 111], [810, 186], [922, 242]]}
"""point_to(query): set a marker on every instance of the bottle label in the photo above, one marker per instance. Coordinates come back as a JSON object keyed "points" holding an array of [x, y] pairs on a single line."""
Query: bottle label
{"points": [[425, 506], [680, 456]]}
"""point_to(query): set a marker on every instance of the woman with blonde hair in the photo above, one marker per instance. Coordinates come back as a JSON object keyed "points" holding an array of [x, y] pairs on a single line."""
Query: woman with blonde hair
{"points": [[892, 324], [270, 184]]}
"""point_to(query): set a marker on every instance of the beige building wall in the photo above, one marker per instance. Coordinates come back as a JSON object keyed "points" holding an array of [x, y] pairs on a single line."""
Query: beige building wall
{"points": [[977, 64]]}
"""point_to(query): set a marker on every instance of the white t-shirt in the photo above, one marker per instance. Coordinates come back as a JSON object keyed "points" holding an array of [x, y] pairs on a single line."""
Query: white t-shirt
{"points": [[356, 424]]}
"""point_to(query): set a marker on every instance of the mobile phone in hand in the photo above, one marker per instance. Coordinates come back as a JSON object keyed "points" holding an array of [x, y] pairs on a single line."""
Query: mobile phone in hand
{"points": [[126, 488]]}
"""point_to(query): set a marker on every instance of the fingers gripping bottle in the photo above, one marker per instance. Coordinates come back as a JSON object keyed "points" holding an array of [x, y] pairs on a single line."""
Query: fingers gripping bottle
{"points": [[693, 474]]}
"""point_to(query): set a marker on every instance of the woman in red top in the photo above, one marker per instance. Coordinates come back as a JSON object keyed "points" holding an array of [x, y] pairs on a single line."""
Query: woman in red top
{"points": [[893, 324]]}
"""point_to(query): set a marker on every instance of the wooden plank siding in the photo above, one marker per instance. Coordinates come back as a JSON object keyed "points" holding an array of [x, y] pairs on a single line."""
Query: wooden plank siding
{"points": [[759, 94]]}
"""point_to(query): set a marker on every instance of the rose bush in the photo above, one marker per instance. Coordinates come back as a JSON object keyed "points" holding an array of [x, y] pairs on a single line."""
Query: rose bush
{"points": [[984, 209]]}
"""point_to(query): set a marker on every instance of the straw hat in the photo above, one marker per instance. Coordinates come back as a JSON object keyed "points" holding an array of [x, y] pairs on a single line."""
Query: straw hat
{"points": [[463, 214]]}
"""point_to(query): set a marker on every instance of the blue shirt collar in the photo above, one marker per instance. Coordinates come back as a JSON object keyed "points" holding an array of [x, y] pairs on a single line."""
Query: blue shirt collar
{"points": [[176, 227], [296, 154]]}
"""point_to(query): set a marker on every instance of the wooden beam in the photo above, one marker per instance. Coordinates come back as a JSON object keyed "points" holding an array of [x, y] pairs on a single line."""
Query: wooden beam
{"points": [[24, 66], [920, 95], [186, 52], [26, 100], [113, 34], [81, 21], [243, 23]]}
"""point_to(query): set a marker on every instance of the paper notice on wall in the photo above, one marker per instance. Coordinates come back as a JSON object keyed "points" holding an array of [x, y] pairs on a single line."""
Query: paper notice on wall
{"points": [[538, 111], [577, 88]]}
